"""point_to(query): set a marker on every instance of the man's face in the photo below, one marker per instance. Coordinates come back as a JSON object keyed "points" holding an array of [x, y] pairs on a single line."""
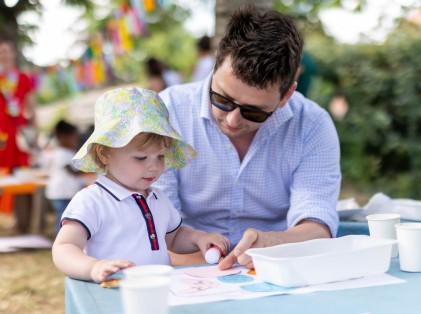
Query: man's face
{"points": [[232, 123]]}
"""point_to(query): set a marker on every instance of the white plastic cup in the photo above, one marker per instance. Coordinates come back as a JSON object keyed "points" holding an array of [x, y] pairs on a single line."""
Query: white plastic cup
{"points": [[137, 272], [383, 226], [409, 241], [149, 295]]}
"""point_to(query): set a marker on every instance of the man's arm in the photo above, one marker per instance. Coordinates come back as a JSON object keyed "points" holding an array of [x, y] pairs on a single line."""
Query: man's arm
{"points": [[304, 230]]}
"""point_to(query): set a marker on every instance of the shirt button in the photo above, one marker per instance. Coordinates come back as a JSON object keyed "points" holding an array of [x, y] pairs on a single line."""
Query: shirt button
{"points": [[152, 236]]}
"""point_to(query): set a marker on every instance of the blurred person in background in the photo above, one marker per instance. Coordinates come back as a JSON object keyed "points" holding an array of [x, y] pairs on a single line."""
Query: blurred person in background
{"points": [[160, 76], [17, 110], [206, 60], [64, 179], [17, 125]]}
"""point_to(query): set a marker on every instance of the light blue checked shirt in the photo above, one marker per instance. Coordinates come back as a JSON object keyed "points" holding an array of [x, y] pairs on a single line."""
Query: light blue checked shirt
{"points": [[291, 171]]}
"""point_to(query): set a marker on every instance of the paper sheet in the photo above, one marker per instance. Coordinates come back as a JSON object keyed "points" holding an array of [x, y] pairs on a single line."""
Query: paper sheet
{"points": [[409, 209], [190, 290], [29, 241]]}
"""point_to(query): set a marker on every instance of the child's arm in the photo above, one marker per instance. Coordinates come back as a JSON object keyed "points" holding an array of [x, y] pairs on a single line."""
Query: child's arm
{"points": [[188, 240], [69, 257]]}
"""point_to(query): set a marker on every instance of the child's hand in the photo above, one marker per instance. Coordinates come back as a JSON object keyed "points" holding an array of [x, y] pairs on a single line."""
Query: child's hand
{"points": [[206, 240], [103, 268]]}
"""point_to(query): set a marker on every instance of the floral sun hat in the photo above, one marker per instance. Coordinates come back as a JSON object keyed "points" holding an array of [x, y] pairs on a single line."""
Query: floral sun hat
{"points": [[123, 113]]}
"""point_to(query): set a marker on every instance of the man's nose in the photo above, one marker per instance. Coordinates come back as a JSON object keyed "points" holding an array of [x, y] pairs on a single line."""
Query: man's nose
{"points": [[234, 117]]}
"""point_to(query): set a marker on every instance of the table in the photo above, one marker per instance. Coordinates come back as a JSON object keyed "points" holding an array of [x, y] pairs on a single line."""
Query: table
{"points": [[30, 203], [87, 297], [352, 227]]}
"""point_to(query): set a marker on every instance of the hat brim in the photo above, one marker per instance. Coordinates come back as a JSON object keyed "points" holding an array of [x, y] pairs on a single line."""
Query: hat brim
{"points": [[178, 156]]}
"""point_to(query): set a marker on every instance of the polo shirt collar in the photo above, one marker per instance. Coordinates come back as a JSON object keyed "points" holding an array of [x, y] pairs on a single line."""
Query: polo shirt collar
{"points": [[116, 191]]}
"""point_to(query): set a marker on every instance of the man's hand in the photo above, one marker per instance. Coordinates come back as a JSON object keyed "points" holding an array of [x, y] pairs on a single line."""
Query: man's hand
{"points": [[250, 239], [304, 230]]}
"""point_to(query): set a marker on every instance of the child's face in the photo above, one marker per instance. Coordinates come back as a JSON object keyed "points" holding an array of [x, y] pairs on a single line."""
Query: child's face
{"points": [[133, 168]]}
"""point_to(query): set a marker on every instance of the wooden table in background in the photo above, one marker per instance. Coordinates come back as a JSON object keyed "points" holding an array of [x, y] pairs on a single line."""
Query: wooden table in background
{"points": [[29, 204]]}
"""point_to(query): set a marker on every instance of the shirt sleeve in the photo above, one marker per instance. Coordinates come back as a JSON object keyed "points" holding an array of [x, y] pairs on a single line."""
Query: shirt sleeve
{"points": [[316, 182], [84, 209]]}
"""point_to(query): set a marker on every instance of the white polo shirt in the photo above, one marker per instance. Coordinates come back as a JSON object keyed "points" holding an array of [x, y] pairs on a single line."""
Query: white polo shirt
{"points": [[122, 226]]}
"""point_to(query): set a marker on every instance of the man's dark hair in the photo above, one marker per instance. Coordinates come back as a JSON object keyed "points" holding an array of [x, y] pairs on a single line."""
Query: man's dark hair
{"points": [[265, 48]]}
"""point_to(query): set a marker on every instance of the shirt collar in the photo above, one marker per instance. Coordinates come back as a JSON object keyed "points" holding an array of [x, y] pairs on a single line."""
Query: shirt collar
{"points": [[117, 191], [205, 105]]}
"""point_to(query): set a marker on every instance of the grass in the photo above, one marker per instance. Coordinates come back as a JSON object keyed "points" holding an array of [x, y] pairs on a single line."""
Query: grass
{"points": [[29, 281]]}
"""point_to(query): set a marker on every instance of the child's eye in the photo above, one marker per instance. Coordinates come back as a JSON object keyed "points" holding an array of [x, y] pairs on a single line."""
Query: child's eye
{"points": [[161, 156], [140, 158]]}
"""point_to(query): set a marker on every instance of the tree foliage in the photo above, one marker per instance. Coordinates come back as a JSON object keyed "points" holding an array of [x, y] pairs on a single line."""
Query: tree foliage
{"points": [[379, 134]]}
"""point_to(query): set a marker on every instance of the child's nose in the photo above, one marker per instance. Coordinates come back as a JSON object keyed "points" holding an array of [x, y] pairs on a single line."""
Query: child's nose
{"points": [[153, 164]]}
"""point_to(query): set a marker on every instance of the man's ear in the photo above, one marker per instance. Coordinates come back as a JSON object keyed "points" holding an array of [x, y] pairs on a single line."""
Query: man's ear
{"points": [[288, 94]]}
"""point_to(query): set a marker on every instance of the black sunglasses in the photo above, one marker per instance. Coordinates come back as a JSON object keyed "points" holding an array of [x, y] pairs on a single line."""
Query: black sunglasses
{"points": [[247, 112]]}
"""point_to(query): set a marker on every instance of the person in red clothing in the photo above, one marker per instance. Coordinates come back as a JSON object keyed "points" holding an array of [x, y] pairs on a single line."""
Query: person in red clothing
{"points": [[17, 107]]}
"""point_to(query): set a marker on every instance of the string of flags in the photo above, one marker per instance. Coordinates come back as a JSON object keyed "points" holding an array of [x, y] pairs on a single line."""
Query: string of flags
{"points": [[127, 22]]}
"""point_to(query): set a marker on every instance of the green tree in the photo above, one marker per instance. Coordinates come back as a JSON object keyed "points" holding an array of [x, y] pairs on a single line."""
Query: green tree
{"points": [[11, 10]]}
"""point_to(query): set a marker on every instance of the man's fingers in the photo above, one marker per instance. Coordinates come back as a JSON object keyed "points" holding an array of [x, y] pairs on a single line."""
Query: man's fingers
{"points": [[249, 238], [227, 262], [244, 259]]}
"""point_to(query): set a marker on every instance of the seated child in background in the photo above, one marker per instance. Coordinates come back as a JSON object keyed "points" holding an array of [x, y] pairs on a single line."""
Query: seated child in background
{"points": [[64, 179], [120, 221]]}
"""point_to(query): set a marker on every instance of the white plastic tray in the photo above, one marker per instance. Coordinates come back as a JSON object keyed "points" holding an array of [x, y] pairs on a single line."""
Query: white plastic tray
{"points": [[322, 260]]}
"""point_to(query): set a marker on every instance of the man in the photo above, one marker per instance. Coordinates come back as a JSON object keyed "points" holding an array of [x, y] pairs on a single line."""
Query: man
{"points": [[267, 170]]}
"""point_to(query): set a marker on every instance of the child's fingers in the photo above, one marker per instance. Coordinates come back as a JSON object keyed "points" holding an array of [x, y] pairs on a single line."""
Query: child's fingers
{"points": [[223, 243], [122, 263]]}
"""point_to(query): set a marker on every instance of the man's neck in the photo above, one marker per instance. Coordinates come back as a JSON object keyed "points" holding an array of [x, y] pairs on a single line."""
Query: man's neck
{"points": [[242, 144]]}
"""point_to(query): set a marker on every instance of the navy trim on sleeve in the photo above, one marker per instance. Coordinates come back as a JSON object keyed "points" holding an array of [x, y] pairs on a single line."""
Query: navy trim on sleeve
{"points": [[77, 220], [181, 221]]}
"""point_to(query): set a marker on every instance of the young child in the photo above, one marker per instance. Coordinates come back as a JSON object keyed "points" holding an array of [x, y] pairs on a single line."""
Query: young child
{"points": [[121, 221], [64, 179]]}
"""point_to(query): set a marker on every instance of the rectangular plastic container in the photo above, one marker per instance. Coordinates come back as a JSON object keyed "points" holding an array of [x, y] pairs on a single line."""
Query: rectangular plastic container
{"points": [[322, 260]]}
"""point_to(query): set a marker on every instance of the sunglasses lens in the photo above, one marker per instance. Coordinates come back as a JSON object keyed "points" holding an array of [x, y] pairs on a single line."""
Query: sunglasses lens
{"points": [[252, 115], [221, 102], [225, 104]]}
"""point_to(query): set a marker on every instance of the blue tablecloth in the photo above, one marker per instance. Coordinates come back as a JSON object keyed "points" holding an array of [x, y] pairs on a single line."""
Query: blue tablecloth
{"points": [[352, 227], [87, 297]]}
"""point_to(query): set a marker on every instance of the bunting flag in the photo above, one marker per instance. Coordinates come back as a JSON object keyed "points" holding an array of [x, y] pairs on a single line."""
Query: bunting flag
{"points": [[102, 53]]}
